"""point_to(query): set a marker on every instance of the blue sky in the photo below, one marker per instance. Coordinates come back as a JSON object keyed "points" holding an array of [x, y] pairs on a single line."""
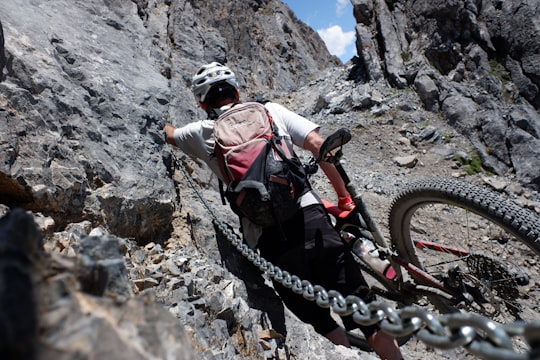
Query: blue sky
{"points": [[333, 20]]}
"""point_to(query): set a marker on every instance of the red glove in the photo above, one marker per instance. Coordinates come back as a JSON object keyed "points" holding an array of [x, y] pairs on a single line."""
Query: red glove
{"points": [[345, 203]]}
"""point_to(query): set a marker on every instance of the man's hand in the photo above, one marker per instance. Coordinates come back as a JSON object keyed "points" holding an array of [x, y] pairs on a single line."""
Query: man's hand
{"points": [[313, 143], [169, 134]]}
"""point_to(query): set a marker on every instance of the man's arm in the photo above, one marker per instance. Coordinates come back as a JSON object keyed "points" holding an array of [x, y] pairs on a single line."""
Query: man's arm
{"points": [[313, 143]]}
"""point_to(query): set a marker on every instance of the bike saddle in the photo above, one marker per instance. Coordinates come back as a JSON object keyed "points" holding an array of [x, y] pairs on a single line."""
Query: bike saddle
{"points": [[335, 140]]}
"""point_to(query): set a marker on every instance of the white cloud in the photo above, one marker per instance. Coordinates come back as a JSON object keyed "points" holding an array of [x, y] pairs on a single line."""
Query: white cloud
{"points": [[336, 40], [340, 6]]}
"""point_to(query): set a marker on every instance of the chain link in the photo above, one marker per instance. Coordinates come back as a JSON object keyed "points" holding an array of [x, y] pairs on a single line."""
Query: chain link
{"points": [[476, 333]]}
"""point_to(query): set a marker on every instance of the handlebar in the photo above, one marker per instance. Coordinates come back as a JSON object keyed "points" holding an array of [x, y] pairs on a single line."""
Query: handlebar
{"points": [[335, 140]]}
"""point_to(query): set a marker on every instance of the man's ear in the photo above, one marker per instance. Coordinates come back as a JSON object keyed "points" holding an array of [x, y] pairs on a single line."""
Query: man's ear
{"points": [[237, 95], [202, 105]]}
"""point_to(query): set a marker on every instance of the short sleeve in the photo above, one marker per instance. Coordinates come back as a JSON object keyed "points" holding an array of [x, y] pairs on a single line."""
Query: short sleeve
{"points": [[196, 140], [297, 127]]}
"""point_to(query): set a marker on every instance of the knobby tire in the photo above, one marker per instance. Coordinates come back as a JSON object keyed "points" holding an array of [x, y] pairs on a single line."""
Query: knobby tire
{"points": [[436, 201]]}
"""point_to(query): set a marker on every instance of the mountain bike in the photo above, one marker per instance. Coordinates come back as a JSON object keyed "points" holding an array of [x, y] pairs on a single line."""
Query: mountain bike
{"points": [[453, 246]]}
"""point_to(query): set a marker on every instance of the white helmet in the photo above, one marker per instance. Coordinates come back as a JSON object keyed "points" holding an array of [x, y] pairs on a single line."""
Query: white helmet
{"points": [[208, 75]]}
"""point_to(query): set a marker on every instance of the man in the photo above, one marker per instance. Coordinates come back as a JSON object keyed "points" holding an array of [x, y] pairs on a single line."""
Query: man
{"points": [[311, 248]]}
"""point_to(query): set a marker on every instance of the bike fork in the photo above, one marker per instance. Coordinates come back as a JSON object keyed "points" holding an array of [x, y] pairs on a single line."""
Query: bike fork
{"points": [[359, 202]]}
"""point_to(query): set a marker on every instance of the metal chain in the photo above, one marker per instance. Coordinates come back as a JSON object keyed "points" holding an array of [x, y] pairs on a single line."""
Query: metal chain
{"points": [[476, 333]]}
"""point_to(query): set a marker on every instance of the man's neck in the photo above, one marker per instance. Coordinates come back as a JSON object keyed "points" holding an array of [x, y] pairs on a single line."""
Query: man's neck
{"points": [[226, 102]]}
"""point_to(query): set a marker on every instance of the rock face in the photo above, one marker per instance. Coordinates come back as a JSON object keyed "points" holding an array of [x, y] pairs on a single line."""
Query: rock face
{"points": [[475, 61], [81, 125], [262, 39], [86, 89], [75, 113], [88, 326], [125, 262]]}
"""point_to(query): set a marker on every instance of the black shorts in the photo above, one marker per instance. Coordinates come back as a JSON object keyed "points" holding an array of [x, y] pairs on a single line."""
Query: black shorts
{"points": [[308, 246]]}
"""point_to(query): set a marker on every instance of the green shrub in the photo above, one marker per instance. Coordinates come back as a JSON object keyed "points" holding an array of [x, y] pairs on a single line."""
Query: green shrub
{"points": [[472, 165]]}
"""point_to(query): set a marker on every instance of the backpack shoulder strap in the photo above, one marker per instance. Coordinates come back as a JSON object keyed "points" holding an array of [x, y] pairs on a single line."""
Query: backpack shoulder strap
{"points": [[214, 114], [222, 191], [260, 99]]}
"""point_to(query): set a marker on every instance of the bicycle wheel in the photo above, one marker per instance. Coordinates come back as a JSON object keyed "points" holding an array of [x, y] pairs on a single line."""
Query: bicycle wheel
{"points": [[474, 241]]}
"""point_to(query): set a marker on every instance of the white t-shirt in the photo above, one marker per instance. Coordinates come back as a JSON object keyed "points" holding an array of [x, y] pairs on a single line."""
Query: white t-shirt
{"points": [[196, 140]]}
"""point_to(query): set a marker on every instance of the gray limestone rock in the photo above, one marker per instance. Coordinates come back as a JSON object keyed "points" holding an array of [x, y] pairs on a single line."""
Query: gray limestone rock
{"points": [[133, 265]]}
